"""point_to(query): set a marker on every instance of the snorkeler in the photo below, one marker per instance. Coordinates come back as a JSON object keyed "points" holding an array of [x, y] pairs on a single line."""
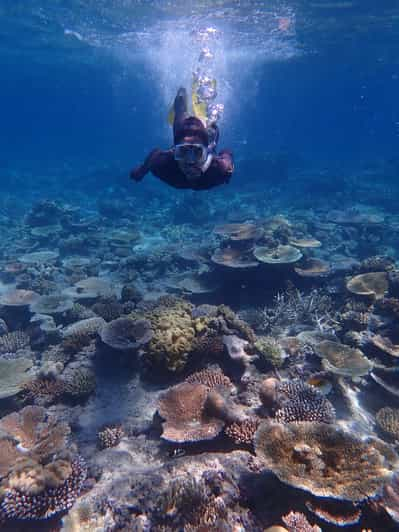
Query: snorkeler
{"points": [[192, 162]]}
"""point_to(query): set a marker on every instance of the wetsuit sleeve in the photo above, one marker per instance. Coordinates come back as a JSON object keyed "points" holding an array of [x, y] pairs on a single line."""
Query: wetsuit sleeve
{"points": [[226, 164], [138, 173]]}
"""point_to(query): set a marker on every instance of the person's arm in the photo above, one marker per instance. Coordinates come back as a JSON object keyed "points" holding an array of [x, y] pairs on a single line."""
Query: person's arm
{"points": [[226, 164], [138, 173]]}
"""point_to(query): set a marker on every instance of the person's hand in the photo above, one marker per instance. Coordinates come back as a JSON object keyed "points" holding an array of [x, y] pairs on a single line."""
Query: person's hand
{"points": [[138, 173]]}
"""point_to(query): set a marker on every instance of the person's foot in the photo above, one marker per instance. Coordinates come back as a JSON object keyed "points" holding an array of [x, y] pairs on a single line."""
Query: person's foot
{"points": [[180, 104]]}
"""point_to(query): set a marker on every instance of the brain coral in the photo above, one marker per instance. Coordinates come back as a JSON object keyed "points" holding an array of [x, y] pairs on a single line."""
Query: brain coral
{"points": [[179, 330], [174, 335], [325, 460]]}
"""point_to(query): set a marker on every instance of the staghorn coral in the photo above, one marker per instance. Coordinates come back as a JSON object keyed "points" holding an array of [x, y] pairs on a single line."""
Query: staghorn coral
{"points": [[243, 432], [43, 390], [297, 522], [183, 407], [294, 307], [211, 378], [325, 460], [13, 341], [110, 436], [388, 419]]}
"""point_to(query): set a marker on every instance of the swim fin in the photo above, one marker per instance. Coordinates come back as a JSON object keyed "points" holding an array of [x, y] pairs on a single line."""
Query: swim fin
{"points": [[199, 106], [180, 101]]}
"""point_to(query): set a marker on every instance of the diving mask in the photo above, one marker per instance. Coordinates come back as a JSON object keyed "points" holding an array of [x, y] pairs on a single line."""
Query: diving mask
{"points": [[191, 153]]}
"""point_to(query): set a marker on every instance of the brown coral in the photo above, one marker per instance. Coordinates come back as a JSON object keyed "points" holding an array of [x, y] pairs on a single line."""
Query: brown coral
{"points": [[35, 432], [183, 407], [297, 522], [325, 460], [110, 436], [373, 284], [35, 492], [40, 479], [243, 432], [43, 390], [211, 378], [13, 341], [388, 419], [336, 513]]}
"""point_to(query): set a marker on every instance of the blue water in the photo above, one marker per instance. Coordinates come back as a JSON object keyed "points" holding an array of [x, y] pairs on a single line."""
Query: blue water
{"points": [[310, 89], [83, 86]]}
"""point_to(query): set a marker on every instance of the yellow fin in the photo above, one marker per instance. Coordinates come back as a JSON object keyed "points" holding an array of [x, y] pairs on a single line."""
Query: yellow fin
{"points": [[171, 114]]}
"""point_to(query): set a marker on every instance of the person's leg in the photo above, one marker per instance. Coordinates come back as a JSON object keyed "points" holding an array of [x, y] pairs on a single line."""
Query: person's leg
{"points": [[180, 108]]}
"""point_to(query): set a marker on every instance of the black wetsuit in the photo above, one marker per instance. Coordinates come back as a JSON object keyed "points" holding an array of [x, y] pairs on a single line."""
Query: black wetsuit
{"points": [[162, 164]]}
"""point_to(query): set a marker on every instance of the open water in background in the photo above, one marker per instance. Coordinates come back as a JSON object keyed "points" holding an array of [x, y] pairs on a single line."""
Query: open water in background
{"points": [[85, 86]]}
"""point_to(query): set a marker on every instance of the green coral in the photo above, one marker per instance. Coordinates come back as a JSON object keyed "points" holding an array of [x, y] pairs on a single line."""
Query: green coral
{"points": [[174, 335], [270, 351]]}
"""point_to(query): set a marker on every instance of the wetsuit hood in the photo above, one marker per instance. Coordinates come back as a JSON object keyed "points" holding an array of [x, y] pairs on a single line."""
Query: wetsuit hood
{"points": [[192, 127]]}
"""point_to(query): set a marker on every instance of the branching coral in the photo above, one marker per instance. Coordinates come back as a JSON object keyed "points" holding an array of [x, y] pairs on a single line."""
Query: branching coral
{"points": [[13, 341], [43, 390], [293, 306], [110, 436], [325, 460], [243, 432]]}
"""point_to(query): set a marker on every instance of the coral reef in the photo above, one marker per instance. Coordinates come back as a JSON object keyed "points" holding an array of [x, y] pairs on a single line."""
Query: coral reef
{"points": [[184, 410], [243, 432], [43, 480], [325, 460], [13, 341], [211, 378], [297, 522], [110, 436], [388, 419], [126, 333]]}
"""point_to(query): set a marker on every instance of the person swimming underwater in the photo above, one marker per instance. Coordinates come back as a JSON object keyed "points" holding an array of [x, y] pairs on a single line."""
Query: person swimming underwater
{"points": [[192, 162]]}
